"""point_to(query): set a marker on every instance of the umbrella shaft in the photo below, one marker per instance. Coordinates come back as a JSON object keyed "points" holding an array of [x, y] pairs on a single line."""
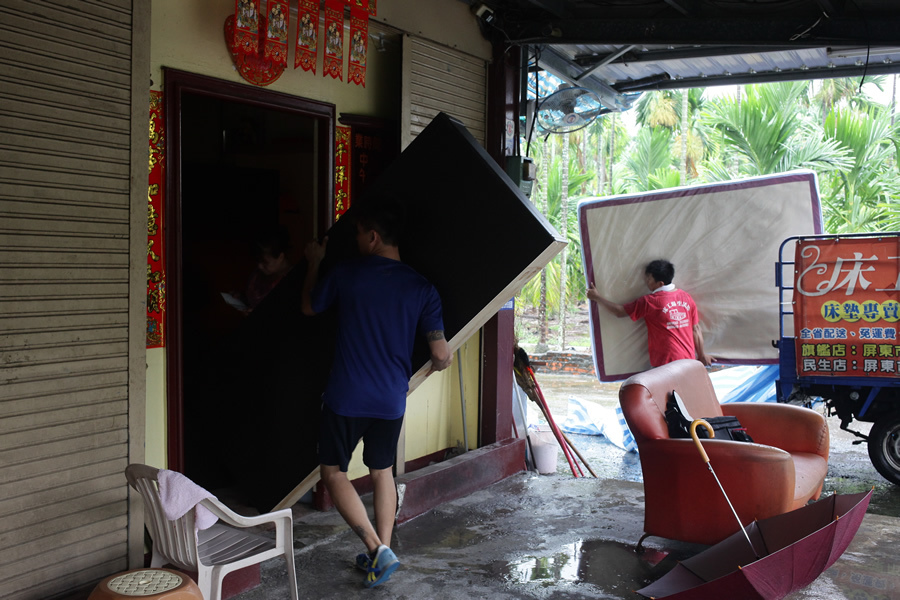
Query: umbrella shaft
{"points": [[734, 512]]}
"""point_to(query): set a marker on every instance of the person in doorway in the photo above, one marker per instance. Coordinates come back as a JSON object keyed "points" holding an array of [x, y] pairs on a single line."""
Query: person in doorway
{"points": [[673, 323], [380, 303], [272, 265]]}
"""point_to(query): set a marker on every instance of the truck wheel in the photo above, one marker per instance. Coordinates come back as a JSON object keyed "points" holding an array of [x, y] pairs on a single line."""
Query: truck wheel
{"points": [[884, 446]]}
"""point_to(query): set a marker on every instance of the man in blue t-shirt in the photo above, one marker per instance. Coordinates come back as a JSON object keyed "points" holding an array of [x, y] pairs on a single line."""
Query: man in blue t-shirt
{"points": [[381, 303]]}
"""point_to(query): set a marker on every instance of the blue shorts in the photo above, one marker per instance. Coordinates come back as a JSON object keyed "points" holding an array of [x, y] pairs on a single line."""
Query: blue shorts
{"points": [[340, 435]]}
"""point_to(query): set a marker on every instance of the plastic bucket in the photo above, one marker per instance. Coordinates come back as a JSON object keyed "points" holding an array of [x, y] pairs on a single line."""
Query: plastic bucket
{"points": [[546, 451]]}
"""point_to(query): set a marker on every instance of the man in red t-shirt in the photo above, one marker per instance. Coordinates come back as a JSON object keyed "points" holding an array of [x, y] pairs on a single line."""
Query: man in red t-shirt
{"points": [[673, 323]]}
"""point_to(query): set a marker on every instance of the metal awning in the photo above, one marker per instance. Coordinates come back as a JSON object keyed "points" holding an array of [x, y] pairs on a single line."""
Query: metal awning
{"points": [[619, 46]]}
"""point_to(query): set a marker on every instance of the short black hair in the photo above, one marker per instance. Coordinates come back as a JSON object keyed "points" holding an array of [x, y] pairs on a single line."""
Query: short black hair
{"points": [[661, 270], [272, 242], [384, 214]]}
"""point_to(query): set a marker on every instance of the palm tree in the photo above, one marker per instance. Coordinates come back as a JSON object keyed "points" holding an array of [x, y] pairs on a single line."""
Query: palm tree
{"points": [[650, 157], [861, 197], [769, 132], [564, 230], [848, 90], [555, 209]]}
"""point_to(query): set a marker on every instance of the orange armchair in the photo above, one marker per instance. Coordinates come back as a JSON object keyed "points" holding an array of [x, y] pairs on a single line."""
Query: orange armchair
{"points": [[782, 470]]}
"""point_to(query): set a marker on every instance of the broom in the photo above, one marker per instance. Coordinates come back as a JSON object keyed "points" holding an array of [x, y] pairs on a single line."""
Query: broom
{"points": [[526, 379]]}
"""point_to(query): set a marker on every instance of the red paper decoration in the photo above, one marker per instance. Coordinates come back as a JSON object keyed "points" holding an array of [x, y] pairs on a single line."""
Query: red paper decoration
{"points": [[307, 34], [341, 171], [156, 273], [256, 69], [245, 38], [334, 39], [277, 24], [359, 43]]}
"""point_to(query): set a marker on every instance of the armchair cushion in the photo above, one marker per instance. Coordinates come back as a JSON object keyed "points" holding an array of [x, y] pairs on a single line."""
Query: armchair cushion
{"points": [[782, 470]]}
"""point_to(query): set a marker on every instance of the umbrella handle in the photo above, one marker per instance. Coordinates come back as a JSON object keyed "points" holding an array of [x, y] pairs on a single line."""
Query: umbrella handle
{"points": [[697, 423]]}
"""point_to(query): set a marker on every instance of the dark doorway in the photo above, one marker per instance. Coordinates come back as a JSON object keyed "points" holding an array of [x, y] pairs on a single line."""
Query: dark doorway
{"points": [[249, 170]]}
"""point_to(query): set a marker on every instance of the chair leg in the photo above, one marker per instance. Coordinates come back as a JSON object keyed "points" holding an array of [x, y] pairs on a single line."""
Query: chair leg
{"points": [[206, 581], [292, 572]]}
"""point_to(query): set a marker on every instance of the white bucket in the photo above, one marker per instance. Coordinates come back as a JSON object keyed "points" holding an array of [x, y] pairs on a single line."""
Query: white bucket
{"points": [[545, 450]]}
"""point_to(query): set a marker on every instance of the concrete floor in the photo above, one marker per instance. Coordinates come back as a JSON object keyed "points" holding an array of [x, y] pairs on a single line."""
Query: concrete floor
{"points": [[557, 537]]}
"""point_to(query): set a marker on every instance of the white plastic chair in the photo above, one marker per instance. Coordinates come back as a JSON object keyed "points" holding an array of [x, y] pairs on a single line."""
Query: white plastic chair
{"points": [[214, 552]]}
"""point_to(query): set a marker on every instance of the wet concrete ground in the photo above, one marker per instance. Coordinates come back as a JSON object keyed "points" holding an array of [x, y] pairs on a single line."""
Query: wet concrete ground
{"points": [[557, 537]]}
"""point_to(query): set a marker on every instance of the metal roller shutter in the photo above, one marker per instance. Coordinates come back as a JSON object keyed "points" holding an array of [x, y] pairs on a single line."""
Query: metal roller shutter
{"points": [[68, 303], [440, 79]]}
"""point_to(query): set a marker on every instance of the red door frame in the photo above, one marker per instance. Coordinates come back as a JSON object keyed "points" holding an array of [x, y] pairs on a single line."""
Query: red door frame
{"points": [[176, 84]]}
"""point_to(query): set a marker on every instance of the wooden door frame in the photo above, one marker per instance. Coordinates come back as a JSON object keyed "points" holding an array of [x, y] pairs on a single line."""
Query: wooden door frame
{"points": [[176, 84]]}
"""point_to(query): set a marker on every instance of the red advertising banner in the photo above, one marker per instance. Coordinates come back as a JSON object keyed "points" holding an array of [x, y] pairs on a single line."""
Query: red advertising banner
{"points": [[156, 274], [277, 24], [846, 307], [307, 35], [246, 26], [359, 44], [341, 171], [333, 63]]}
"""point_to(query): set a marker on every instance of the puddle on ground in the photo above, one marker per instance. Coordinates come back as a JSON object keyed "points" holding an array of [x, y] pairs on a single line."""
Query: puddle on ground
{"points": [[607, 565]]}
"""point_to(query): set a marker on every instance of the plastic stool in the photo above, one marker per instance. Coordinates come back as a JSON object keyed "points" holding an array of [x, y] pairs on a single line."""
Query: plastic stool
{"points": [[147, 583]]}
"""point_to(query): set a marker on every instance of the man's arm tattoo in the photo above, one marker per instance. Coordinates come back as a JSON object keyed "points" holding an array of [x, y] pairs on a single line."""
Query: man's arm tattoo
{"points": [[435, 335]]}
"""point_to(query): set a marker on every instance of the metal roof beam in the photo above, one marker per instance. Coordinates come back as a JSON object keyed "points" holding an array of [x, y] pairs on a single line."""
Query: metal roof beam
{"points": [[652, 56], [874, 30], [685, 7], [605, 61], [762, 77], [554, 7]]}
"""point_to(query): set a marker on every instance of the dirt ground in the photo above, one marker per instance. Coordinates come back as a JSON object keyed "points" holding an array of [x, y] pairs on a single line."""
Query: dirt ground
{"points": [[577, 330]]}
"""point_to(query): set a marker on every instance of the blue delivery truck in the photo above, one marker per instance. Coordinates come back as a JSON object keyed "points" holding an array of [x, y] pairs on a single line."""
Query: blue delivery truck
{"points": [[840, 334]]}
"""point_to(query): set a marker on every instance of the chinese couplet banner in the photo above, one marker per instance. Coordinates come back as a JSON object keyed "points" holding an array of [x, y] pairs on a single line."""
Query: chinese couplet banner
{"points": [[847, 306], [341, 171], [307, 35], [156, 275]]}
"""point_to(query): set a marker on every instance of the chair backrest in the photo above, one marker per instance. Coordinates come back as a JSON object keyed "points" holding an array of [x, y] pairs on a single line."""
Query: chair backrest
{"points": [[643, 397], [176, 541]]}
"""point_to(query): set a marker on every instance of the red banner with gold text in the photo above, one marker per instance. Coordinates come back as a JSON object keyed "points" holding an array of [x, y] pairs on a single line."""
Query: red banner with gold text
{"points": [[156, 274], [846, 307], [341, 171]]}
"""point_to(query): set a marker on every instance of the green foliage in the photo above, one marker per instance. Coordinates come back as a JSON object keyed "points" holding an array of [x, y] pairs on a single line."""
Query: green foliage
{"points": [[650, 153], [860, 197], [830, 127]]}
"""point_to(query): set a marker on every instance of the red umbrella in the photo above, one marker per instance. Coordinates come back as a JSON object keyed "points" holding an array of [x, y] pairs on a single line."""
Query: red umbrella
{"points": [[793, 549]]}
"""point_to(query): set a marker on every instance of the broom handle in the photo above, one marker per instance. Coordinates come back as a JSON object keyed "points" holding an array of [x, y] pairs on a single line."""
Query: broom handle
{"points": [[556, 432], [574, 449]]}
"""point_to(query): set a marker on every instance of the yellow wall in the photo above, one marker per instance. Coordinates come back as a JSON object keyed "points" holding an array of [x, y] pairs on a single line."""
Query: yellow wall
{"points": [[155, 444], [188, 35]]}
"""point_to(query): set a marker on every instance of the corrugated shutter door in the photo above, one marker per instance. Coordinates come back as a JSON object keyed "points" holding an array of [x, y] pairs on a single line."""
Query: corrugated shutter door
{"points": [[440, 79], [65, 155]]}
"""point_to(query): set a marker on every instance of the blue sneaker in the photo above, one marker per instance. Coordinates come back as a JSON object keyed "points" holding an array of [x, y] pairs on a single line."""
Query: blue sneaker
{"points": [[383, 565], [363, 562]]}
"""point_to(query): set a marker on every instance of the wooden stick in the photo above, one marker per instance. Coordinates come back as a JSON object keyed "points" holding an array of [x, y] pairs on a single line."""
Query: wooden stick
{"points": [[298, 492], [571, 445]]}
